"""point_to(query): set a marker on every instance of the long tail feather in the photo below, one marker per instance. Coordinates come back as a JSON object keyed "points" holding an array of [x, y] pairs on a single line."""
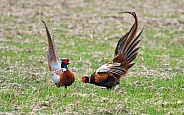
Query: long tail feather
{"points": [[127, 50], [52, 53], [133, 48], [120, 44], [132, 33], [131, 65], [132, 57], [134, 43], [125, 40]]}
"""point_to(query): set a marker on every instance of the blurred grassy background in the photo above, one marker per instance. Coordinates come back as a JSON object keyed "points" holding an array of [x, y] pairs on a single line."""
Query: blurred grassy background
{"points": [[87, 32]]}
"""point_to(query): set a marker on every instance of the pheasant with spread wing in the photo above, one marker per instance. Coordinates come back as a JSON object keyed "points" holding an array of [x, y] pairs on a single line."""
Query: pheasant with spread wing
{"points": [[108, 75], [59, 71]]}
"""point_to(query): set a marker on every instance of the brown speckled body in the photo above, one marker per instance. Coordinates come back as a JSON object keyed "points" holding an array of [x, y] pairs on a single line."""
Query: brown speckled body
{"points": [[104, 79]]}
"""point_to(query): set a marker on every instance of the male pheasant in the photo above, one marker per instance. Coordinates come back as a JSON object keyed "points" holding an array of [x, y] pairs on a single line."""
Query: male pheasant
{"points": [[60, 73], [108, 75]]}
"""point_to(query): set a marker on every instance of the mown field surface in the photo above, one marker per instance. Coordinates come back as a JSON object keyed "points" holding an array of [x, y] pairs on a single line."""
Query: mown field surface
{"points": [[87, 32]]}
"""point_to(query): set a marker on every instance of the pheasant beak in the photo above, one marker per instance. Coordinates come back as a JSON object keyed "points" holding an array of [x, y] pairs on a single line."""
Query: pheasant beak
{"points": [[69, 62]]}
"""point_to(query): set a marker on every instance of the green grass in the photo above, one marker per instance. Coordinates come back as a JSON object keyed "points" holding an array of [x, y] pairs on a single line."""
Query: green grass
{"points": [[87, 33]]}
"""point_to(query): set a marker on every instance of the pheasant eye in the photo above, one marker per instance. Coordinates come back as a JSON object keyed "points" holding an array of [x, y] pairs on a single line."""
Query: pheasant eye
{"points": [[68, 59]]}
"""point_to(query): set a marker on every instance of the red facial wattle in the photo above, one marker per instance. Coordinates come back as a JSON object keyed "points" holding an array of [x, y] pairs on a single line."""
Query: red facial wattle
{"points": [[83, 79], [66, 61]]}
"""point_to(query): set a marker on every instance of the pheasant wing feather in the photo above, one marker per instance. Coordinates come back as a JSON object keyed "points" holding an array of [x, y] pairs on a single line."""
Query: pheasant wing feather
{"points": [[114, 68]]}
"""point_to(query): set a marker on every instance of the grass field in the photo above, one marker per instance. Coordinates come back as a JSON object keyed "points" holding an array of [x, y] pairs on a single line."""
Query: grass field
{"points": [[87, 32]]}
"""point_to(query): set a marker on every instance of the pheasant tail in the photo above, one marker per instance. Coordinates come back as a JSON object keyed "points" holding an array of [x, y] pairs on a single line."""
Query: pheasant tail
{"points": [[52, 53], [127, 38], [127, 50]]}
